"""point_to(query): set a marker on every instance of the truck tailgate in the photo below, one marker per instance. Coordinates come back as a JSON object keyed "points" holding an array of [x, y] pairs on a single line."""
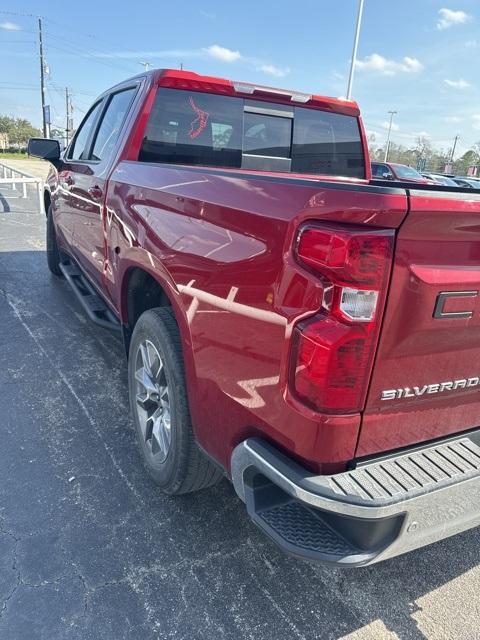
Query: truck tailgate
{"points": [[425, 381]]}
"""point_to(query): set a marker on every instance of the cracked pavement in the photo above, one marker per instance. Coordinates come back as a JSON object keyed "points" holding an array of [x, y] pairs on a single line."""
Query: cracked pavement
{"points": [[89, 549]]}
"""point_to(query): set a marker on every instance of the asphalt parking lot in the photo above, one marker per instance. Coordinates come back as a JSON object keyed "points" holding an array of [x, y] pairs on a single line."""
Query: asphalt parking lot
{"points": [[89, 549]]}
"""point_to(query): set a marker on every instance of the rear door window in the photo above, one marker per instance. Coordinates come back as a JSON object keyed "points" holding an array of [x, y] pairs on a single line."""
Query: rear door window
{"points": [[194, 128]]}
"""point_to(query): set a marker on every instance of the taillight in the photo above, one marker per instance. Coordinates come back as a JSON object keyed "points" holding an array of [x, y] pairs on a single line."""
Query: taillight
{"points": [[333, 353]]}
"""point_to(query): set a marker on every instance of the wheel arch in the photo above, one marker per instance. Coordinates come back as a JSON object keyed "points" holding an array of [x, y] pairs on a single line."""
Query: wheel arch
{"points": [[163, 294], [140, 290]]}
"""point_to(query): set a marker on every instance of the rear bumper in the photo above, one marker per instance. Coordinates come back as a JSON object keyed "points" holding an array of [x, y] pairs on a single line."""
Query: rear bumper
{"points": [[360, 517]]}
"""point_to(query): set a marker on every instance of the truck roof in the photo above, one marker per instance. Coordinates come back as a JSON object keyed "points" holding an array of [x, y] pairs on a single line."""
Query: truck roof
{"points": [[181, 79]]}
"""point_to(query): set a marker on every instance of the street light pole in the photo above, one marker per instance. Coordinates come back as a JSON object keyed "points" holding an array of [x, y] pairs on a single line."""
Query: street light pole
{"points": [[387, 147], [355, 47]]}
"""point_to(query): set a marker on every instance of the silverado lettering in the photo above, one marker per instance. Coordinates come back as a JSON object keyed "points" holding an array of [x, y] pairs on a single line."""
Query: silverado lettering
{"points": [[271, 297], [437, 387]]}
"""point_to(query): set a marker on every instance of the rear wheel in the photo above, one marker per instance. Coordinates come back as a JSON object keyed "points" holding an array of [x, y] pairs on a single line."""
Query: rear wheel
{"points": [[158, 399], [53, 253]]}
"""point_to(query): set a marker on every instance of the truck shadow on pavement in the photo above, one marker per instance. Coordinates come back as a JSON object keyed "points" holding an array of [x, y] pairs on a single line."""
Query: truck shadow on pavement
{"points": [[90, 549]]}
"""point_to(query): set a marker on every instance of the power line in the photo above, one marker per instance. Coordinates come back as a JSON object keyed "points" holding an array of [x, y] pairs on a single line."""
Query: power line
{"points": [[79, 54]]}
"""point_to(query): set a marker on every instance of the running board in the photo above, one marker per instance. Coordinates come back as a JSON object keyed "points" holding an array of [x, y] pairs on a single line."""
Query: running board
{"points": [[93, 305]]}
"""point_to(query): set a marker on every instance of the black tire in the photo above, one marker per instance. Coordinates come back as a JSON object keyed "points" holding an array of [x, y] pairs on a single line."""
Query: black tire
{"points": [[185, 468], [53, 253]]}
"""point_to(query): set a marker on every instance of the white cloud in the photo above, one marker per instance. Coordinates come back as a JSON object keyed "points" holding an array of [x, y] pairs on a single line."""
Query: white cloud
{"points": [[386, 125], [476, 121], [223, 54], [272, 70], [10, 26], [452, 119], [457, 84], [387, 67], [448, 18]]}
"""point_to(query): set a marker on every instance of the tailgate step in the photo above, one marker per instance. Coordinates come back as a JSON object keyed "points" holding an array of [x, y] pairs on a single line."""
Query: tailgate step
{"points": [[304, 528], [94, 306], [410, 473]]}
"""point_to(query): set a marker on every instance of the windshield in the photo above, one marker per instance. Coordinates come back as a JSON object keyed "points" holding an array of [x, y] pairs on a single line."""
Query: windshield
{"points": [[403, 171], [448, 182]]}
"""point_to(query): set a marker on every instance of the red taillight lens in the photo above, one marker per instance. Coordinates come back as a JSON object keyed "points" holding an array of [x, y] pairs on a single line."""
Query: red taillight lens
{"points": [[347, 255], [332, 355]]}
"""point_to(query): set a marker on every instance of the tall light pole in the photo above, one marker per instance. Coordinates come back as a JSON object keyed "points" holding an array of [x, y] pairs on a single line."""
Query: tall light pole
{"points": [[146, 65], [355, 48], [387, 147]]}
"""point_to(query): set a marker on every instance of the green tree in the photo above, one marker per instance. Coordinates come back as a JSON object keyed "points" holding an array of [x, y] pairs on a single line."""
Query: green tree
{"points": [[19, 130], [470, 158]]}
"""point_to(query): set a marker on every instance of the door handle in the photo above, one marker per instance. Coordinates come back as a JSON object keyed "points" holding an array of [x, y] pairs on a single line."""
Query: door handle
{"points": [[96, 192]]}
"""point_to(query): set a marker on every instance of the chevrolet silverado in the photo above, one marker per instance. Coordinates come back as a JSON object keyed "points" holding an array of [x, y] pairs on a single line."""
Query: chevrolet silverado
{"points": [[289, 322]]}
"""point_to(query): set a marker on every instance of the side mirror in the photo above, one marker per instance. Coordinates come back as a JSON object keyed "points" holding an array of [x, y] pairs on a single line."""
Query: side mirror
{"points": [[44, 148], [387, 176]]}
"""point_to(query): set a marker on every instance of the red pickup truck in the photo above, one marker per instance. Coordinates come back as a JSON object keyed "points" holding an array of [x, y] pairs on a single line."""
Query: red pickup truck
{"points": [[289, 322]]}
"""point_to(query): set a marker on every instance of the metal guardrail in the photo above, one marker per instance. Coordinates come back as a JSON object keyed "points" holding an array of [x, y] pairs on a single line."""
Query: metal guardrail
{"points": [[23, 179]]}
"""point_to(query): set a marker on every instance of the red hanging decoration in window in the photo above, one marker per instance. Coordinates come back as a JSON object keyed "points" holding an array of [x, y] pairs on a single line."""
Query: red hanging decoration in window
{"points": [[198, 125]]}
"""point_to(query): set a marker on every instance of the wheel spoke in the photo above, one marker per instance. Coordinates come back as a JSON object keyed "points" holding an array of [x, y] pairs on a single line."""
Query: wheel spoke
{"points": [[152, 401], [145, 358], [154, 361]]}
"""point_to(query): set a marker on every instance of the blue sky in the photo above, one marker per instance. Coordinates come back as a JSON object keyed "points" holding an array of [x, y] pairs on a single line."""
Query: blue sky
{"points": [[418, 57]]}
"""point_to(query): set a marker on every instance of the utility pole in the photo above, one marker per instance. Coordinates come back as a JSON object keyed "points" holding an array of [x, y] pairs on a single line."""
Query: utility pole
{"points": [[387, 147], [67, 111], [453, 148], [46, 126], [355, 47]]}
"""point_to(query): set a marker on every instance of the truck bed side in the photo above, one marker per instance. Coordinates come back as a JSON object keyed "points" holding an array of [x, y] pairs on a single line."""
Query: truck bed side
{"points": [[220, 244]]}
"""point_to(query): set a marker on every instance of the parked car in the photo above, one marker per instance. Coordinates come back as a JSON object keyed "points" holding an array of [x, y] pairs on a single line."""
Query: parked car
{"points": [[439, 178], [467, 183], [394, 171], [289, 323]]}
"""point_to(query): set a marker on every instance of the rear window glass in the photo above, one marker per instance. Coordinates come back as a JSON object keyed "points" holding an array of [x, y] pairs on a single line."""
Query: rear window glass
{"points": [[193, 128], [267, 135]]}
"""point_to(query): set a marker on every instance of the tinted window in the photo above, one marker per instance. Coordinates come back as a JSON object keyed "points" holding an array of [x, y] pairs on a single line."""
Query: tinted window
{"points": [[267, 135], [111, 124], [187, 127], [327, 143], [79, 151]]}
